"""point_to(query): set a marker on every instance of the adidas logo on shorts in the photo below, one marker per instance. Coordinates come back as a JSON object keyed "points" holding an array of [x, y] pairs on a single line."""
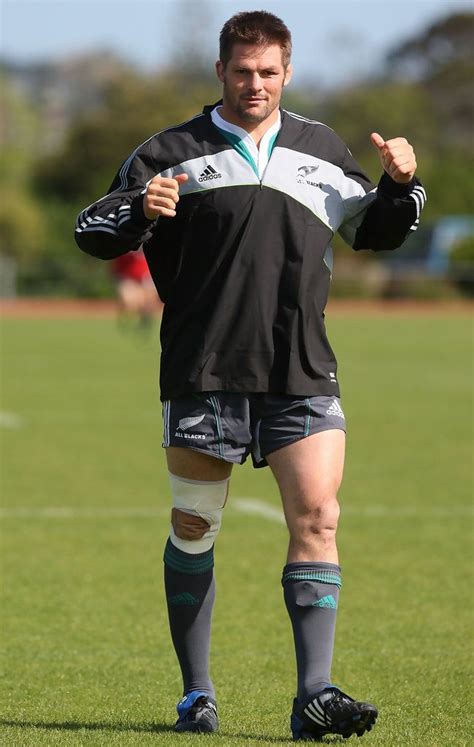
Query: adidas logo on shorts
{"points": [[335, 409]]}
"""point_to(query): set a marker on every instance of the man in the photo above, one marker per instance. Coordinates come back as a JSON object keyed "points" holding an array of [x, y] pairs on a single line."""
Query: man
{"points": [[236, 209]]}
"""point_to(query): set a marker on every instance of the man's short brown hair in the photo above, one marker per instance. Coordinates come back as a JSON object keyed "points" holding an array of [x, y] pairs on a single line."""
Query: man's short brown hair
{"points": [[254, 27]]}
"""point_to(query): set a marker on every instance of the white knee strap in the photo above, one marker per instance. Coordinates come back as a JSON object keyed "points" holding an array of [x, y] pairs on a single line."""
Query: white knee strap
{"points": [[204, 499]]}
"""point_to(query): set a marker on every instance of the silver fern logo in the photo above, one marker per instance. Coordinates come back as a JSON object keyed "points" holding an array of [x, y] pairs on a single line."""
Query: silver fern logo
{"points": [[186, 423], [304, 172]]}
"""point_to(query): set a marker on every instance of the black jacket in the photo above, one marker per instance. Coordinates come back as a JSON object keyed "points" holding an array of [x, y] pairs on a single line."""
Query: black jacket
{"points": [[244, 268]]}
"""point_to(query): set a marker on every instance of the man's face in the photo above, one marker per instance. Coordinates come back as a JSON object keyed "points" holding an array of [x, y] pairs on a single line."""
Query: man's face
{"points": [[253, 82]]}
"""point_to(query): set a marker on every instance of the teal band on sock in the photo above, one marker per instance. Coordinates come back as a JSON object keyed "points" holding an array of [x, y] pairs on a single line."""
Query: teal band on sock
{"points": [[324, 577], [183, 562]]}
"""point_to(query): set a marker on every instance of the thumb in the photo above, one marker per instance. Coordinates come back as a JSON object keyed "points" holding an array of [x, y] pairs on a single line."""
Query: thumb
{"points": [[181, 178], [377, 140]]}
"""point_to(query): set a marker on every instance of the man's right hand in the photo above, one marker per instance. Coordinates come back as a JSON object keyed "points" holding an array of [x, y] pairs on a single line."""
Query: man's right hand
{"points": [[161, 196]]}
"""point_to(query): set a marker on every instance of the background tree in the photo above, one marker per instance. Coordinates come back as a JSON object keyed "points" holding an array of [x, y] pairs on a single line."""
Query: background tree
{"points": [[68, 126], [134, 107], [441, 61]]}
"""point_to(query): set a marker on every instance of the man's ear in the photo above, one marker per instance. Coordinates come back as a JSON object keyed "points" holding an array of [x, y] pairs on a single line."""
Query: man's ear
{"points": [[220, 70], [288, 75]]}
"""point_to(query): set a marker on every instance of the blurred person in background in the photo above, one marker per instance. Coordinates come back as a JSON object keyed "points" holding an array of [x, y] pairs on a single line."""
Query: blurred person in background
{"points": [[136, 292], [236, 209]]}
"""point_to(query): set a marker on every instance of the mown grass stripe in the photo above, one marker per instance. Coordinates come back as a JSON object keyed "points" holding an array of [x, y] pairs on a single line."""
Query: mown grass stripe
{"points": [[88, 589]]}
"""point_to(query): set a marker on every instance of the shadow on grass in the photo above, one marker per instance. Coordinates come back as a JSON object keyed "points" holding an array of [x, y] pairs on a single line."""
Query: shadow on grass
{"points": [[254, 737], [327, 739], [141, 728], [152, 728], [77, 726]]}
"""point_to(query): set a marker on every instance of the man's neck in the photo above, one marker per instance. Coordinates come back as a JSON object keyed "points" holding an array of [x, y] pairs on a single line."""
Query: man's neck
{"points": [[256, 130]]}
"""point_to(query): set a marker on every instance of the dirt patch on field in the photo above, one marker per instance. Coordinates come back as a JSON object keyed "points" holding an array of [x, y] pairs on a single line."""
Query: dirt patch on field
{"points": [[398, 307], [73, 308], [56, 308]]}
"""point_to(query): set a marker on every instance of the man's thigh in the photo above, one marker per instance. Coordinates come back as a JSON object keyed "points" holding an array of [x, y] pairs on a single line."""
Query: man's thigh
{"points": [[309, 471], [194, 465]]}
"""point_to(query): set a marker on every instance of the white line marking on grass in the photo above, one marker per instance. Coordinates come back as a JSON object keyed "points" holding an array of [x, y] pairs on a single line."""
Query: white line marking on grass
{"points": [[408, 512], [63, 512], [249, 506], [260, 508], [10, 420], [266, 511]]}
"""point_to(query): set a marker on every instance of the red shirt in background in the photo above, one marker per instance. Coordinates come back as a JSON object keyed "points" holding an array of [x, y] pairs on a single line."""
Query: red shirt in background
{"points": [[131, 266]]}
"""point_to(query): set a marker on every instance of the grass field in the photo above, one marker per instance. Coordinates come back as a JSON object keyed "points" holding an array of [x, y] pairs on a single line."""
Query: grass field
{"points": [[88, 658]]}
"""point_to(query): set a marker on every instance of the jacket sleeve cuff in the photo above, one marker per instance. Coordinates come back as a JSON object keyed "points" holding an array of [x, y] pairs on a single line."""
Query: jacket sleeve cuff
{"points": [[138, 217], [393, 189]]}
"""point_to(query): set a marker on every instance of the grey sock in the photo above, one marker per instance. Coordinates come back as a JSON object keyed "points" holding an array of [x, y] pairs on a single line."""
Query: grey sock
{"points": [[311, 593], [190, 591]]}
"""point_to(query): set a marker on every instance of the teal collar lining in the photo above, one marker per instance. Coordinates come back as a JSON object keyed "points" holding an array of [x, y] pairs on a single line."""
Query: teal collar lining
{"points": [[237, 137], [240, 147]]}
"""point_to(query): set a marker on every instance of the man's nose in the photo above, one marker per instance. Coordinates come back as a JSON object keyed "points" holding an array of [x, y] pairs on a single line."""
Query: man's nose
{"points": [[255, 82]]}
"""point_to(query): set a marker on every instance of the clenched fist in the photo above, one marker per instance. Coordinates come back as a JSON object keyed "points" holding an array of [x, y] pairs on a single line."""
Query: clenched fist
{"points": [[161, 196], [396, 156]]}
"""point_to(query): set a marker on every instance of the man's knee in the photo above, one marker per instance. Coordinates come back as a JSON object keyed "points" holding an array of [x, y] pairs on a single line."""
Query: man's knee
{"points": [[188, 526], [197, 510], [319, 518]]}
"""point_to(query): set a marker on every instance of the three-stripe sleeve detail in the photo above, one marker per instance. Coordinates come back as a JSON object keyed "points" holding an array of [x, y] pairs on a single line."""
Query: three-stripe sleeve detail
{"points": [[114, 221], [110, 224], [418, 195]]}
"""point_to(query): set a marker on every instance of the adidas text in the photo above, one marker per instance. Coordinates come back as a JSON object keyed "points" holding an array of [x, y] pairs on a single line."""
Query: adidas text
{"points": [[209, 173], [209, 176]]}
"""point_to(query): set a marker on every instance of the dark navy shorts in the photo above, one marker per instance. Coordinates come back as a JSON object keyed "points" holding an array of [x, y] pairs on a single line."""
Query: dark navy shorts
{"points": [[231, 426]]}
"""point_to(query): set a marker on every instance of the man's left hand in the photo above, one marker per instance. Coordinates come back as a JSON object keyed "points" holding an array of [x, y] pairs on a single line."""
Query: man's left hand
{"points": [[396, 156]]}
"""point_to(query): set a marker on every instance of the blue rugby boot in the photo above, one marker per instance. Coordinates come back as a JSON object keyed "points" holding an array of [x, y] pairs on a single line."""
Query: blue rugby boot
{"points": [[197, 712], [331, 712]]}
